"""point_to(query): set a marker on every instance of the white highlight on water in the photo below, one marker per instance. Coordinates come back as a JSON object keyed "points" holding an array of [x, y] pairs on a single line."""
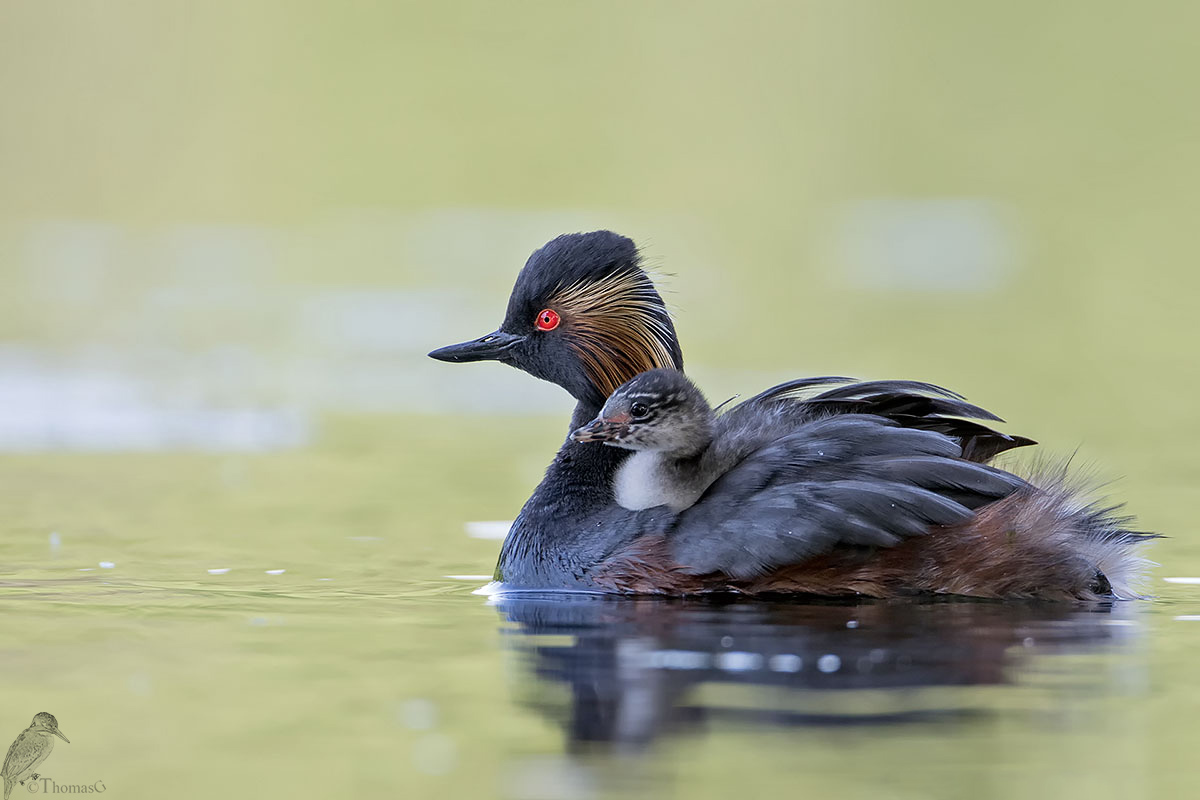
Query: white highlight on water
{"points": [[488, 529]]}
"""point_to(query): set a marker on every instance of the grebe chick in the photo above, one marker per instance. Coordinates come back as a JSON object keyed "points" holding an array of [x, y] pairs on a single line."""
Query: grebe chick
{"points": [[666, 421]]}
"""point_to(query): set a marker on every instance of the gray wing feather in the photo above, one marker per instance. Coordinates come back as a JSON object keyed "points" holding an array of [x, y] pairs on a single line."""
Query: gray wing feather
{"points": [[848, 479], [911, 404]]}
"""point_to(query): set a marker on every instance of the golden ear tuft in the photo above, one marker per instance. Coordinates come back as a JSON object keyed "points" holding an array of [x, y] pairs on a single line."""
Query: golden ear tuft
{"points": [[617, 326]]}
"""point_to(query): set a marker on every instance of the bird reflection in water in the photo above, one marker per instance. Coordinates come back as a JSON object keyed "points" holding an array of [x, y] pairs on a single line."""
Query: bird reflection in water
{"points": [[637, 670]]}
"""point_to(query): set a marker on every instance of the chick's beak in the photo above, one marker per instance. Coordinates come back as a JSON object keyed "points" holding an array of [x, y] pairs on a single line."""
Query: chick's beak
{"points": [[485, 348], [61, 735], [601, 430]]}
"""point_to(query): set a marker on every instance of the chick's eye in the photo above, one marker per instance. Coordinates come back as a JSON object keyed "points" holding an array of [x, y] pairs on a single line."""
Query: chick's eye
{"points": [[639, 410], [547, 319]]}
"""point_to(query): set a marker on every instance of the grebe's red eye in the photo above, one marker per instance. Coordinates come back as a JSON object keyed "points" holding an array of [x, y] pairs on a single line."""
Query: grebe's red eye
{"points": [[547, 319]]}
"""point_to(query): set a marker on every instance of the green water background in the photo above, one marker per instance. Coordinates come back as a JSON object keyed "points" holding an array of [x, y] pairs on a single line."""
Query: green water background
{"points": [[421, 152]]}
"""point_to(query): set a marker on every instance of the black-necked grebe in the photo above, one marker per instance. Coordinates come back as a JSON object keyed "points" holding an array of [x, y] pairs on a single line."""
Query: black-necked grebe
{"points": [[867, 493]]}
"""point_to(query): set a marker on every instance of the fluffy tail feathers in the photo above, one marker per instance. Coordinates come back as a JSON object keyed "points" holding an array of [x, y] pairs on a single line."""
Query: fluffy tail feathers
{"points": [[1048, 541]]}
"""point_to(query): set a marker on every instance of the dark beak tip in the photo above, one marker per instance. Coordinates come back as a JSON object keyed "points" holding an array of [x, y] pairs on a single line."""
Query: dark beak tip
{"points": [[486, 348], [442, 354]]}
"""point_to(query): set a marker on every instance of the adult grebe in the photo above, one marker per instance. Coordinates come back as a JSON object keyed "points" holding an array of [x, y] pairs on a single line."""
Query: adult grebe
{"points": [[865, 495]]}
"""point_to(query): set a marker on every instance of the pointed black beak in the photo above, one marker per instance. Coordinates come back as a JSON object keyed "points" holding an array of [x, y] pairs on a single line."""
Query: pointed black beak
{"points": [[485, 348]]}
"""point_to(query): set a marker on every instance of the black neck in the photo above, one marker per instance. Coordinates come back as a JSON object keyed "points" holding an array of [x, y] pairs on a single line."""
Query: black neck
{"points": [[572, 521]]}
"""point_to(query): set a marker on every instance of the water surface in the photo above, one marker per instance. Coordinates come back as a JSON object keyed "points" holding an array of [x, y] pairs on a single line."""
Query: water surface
{"points": [[203, 621]]}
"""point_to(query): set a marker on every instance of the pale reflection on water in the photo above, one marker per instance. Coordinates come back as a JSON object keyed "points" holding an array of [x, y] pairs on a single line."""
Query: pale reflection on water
{"points": [[87, 404], [213, 337]]}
